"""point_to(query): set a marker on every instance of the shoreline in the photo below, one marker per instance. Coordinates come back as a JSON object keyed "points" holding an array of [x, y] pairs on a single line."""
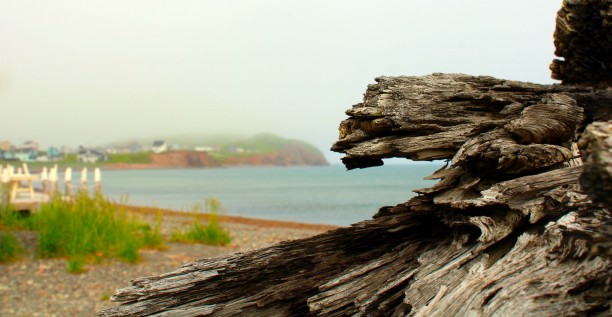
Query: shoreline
{"points": [[149, 166], [36, 167], [34, 286], [258, 222]]}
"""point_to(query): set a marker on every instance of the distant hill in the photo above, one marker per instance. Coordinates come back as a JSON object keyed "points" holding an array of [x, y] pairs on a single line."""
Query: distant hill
{"points": [[268, 142], [274, 150], [186, 140], [225, 150]]}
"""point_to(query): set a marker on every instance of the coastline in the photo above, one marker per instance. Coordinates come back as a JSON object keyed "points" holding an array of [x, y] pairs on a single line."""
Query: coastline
{"points": [[36, 167], [258, 222], [149, 166], [34, 286]]}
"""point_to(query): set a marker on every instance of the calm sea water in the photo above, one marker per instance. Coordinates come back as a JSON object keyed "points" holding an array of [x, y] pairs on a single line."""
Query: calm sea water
{"points": [[327, 195]]}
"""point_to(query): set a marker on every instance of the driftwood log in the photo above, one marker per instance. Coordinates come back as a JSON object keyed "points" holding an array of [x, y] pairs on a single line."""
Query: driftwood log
{"points": [[508, 230], [597, 176], [583, 41]]}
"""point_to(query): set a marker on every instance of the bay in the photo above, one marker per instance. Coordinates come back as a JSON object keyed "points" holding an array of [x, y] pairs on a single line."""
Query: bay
{"points": [[325, 195]]}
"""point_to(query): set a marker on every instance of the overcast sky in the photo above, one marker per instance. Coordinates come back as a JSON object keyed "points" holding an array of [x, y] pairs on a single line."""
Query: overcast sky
{"points": [[93, 72]]}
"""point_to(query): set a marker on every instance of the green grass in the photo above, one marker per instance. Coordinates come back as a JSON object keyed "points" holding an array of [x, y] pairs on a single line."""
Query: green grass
{"points": [[132, 158], [152, 237], [222, 156], [87, 229], [13, 219], [106, 296], [76, 264], [70, 160], [9, 247], [210, 233], [36, 166]]}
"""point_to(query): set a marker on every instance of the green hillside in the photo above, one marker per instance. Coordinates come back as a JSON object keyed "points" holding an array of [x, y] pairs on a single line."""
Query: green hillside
{"points": [[231, 146], [261, 143], [189, 140], [268, 142]]}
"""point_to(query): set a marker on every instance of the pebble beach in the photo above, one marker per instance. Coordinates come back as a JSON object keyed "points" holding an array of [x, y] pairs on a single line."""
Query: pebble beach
{"points": [[32, 286]]}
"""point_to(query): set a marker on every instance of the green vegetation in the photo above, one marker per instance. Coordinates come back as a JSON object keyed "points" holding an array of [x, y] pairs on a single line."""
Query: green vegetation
{"points": [[76, 264], [225, 146], [263, 142], [87, 229], [210, 233], [70, 160], [13, 219], [106, 296], [9, 248], [152, 237], [132, 158]]}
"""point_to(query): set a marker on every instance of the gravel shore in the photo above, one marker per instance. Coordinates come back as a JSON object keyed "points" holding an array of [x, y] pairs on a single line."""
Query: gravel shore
{"points": [[42, 287]]}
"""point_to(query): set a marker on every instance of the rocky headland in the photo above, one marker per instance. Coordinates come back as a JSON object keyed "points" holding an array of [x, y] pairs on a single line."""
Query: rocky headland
{"points": [[276, 152]]}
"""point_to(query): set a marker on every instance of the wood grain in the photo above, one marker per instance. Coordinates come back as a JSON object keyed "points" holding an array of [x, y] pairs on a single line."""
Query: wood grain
{"points": [[519, 223]]}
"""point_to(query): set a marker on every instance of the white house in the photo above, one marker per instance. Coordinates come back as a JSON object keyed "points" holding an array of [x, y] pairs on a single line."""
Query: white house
{"points": [[159, 146]]}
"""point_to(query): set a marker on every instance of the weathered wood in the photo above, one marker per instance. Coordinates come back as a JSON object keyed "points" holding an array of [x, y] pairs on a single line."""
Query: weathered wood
{"points": [[507, 230], [583, 40], [597, 149], [431, 117]]}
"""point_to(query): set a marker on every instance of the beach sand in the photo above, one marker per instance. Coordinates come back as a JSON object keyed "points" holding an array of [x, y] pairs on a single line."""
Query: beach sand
{"points": [[42, 287]]}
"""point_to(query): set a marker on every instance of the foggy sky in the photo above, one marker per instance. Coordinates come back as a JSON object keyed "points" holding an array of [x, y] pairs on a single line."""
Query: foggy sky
{"points": [[93, 72]]}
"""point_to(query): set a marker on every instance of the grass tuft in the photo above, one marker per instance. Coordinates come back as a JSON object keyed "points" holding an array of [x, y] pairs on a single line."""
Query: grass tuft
{"points": [[210, 233], [86, 228], [76, 264], [9, 247], [14, 219], [106, 296]]}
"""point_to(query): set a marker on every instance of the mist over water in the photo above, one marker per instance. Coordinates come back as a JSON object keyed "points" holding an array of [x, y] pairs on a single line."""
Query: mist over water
{"points": [[325, 195]]}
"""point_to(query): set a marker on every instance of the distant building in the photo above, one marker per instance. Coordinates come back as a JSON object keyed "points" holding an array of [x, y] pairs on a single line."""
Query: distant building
{"points": [[134, 147], [54, 153], [178, 147], [25, 155], [204, 149], [29, 145], [235, 149], [87, 158], [8, 155], [90, 156], [6, 146], [159, 146]]}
